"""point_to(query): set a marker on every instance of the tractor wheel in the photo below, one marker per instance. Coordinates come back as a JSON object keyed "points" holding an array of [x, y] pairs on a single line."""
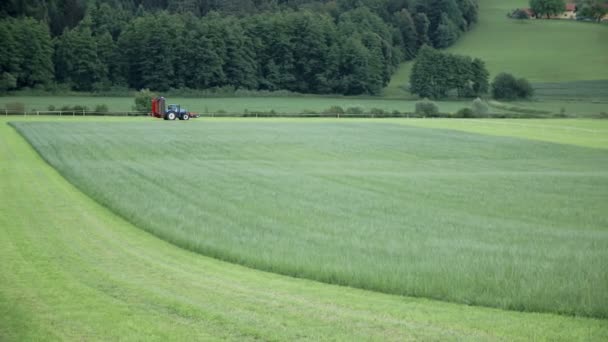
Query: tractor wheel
{"points": [[185, 116], [171, 116]]}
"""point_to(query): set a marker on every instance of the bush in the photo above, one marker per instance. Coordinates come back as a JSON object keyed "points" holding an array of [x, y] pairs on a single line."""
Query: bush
{"points": [[79, 108], [65, 108], [377, 112], [334, 110], [51, 108], [507, 87], [354, 110], [465, 113], [524, 88], [480, 108], [427, 108], [101, 108], [143, 100]]}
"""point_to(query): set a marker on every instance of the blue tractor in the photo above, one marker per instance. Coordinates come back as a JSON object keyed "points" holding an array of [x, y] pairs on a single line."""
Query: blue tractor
{"points": [[173, 111]]}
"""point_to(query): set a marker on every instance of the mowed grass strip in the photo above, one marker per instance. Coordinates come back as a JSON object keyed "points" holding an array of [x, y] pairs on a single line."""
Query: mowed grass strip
{"points": [[72, 270], [484, 220], [585, 133]]}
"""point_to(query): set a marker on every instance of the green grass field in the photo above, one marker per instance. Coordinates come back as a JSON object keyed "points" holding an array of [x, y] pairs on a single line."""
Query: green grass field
{"points": [[540, 50], [73, 270], [436, 226], [477, 219]]}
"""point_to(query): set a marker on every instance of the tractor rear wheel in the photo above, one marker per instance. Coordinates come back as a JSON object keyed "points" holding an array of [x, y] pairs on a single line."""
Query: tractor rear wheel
{"points": [[171, 116], [185, 116]]}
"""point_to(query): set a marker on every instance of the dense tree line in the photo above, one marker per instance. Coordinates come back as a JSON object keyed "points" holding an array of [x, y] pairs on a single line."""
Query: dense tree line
{"points": [[437, 73], [26, 54], [338, 46]]}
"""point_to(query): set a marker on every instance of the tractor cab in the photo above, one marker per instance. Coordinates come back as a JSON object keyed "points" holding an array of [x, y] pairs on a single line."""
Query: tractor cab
{"points": [[175, 108]]}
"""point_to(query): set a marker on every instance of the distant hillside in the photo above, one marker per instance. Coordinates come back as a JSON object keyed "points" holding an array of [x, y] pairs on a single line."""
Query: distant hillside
{"points": [[540, 50]]}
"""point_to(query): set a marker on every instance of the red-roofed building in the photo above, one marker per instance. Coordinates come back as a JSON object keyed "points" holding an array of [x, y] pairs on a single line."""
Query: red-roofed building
{"points": [[569, 13]]}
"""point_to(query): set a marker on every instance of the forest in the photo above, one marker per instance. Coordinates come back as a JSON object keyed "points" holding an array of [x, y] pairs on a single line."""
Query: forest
{"points": [[345, 47]]}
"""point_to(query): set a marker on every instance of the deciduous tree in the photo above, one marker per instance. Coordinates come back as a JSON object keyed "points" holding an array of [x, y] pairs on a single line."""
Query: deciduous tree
{"points": [[506, 87], [547, 7], [595, 9], [436, 73]]}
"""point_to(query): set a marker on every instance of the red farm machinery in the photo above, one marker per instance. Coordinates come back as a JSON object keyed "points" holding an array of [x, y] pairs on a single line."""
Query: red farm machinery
{"points": [[172, 112]]}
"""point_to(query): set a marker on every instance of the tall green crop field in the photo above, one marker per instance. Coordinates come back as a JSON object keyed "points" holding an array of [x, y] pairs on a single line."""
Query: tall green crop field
{"points": [[485, 220], [73, 270]]}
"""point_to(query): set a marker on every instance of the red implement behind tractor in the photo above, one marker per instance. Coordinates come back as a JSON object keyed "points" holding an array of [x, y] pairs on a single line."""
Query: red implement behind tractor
{"points": [[173, 112]]}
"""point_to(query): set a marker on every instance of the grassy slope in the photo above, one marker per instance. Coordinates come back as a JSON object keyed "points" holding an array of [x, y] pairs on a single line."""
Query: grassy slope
{"points": [[541, 50], [371, 205], [72, 270]]}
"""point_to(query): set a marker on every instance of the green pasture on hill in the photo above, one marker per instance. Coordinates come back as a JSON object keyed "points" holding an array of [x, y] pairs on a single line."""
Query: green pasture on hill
{"points": [[477, 219], [539, 50], [73, 270]]}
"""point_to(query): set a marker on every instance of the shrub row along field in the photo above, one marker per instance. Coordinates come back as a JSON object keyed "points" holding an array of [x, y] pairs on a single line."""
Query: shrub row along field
{"points": [[483, 220], [72, 270], [299, 105]]}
